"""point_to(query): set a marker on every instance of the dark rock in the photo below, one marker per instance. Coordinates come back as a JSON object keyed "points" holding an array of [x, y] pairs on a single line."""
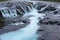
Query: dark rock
{"points": [[58, 38], [39, 6], [40, 11], [40, 30], [13, 22], [41, 21], [46, 23], [1, 28], [58, 23], [1, 20], [42, 39], [18, 13], [24, 21], [55, 12], [28, 9], [21, 10], [50, 8], [46, 18], [1, 24], [30, 4], [1, 16], [51, 22]]}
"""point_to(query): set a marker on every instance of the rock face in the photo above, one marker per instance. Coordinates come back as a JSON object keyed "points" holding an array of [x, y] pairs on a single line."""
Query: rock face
{"points": [[1, 22]]}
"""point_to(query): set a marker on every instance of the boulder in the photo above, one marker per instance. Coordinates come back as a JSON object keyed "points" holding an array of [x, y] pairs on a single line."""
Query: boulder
{"points": [[58, 23], [40, 11], [45, 23], [51, 22], [41, 21], [55, 12], [1, 24]]}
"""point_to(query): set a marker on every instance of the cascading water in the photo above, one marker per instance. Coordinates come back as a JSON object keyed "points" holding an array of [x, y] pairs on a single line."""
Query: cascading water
{"points": [[23, 9], [11, 13], [5, 13], [27, 33]]}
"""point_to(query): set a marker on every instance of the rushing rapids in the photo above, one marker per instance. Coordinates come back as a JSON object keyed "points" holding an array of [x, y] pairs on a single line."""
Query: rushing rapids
{"points": [[27, 33]]}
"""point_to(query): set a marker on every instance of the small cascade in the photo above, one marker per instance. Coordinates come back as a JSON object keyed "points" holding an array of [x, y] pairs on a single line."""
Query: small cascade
{"points": [[13, 12], [9, 13], [23, 9], [5, 13], [29, 8]]}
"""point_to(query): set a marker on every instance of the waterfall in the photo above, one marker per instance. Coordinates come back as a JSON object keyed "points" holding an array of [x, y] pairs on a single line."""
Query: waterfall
{"points": [[29, 8], [9, 13], [23, 9], [13, 12], [5, 13], [27, 33]]}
